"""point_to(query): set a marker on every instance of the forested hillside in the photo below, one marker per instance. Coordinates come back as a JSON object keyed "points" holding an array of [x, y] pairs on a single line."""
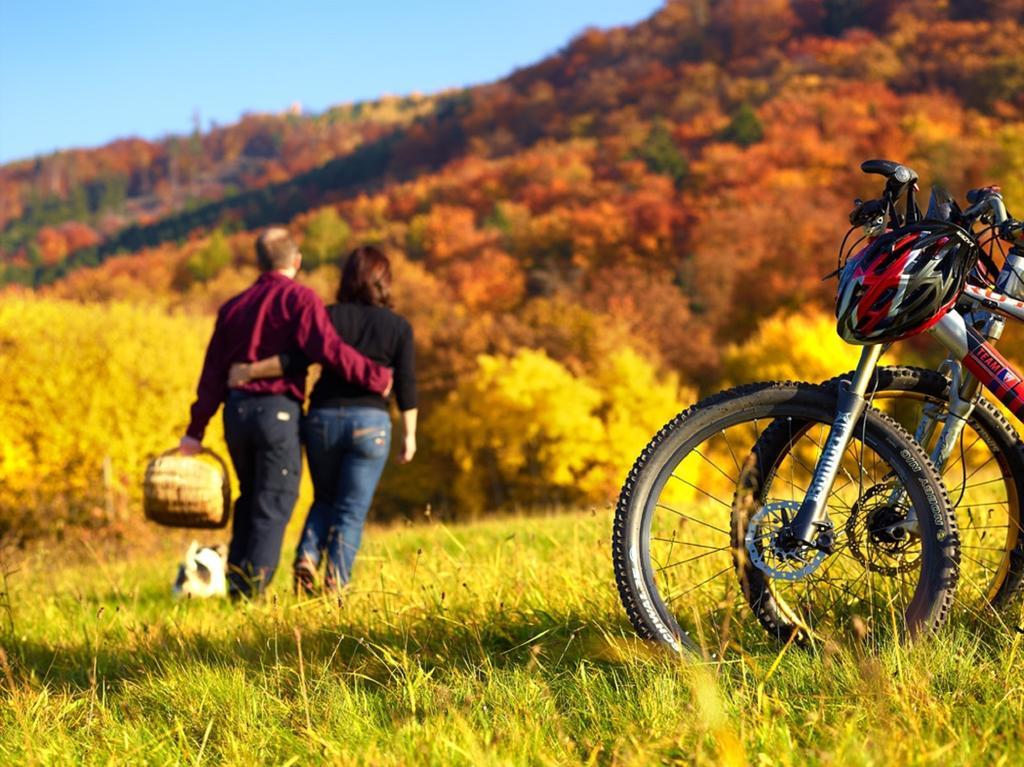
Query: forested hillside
{"points": [[78, 203], [632, 205]]}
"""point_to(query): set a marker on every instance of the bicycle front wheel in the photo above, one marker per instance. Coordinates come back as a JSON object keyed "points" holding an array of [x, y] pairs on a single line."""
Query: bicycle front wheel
{"points": [[682, 560]]}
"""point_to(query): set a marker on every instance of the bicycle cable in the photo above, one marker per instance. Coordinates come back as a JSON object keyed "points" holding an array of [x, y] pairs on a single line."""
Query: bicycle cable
{"points": [[843, 251]]}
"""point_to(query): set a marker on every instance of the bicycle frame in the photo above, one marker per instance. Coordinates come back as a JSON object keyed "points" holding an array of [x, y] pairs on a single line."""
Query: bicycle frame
{"points": [[986, 364], [968, 349]]}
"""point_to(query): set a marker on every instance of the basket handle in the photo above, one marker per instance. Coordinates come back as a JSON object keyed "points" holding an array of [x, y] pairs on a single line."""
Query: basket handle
{"points": [[202, 451]]}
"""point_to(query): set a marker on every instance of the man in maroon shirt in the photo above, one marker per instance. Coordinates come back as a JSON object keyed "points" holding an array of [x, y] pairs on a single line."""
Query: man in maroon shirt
{"points": [[275, 315]]}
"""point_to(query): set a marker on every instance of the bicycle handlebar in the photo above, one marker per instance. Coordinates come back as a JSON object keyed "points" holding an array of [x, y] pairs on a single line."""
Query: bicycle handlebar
{"points": [[986, 201], [899, 179]]}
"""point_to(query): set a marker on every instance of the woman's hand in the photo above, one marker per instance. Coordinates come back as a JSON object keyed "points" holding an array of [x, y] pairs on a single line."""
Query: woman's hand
{"points": [[409, 430], [408, 448], [239, 375]]}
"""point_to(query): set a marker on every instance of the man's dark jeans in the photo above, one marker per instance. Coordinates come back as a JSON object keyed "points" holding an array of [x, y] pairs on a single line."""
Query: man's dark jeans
{"points": [[262, 433]]}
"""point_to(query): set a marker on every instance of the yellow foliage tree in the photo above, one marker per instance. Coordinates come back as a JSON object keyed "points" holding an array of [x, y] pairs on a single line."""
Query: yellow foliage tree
{"points": [[637, 400], [91, 393], [1009, 169], [802, 347], [325, 238], [523, 430]]}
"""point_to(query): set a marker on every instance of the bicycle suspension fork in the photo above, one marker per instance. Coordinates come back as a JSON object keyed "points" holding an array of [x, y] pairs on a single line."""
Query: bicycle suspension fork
{"points": [[964, 384], [963, 391], [810, 526], [984, 366]]}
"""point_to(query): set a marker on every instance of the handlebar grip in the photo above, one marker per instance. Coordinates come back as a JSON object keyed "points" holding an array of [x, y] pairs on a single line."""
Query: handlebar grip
{"points": [[977, 195], [893, 171]]}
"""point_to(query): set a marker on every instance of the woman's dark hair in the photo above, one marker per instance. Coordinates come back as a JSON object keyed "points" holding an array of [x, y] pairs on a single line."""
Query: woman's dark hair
{"points": [[366, 278]]}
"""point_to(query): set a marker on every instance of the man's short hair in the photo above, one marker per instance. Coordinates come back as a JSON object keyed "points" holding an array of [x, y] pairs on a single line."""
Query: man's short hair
{"points": [[275, 249]]}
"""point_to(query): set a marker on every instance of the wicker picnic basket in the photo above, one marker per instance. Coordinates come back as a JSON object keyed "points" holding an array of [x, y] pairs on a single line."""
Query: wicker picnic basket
{"points": [[187, 491]]}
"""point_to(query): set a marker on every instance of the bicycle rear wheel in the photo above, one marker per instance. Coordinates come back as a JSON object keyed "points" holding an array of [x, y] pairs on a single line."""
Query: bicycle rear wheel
{"points": [[984, 476], [677, 558]]}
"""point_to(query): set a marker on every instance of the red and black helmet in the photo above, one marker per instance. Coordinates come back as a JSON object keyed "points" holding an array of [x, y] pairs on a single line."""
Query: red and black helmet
{"points": [[903, 282]]}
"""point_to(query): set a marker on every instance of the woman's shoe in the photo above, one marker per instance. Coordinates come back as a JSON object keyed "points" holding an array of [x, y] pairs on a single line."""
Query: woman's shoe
{"points": [[333, 583], [304, 579]]}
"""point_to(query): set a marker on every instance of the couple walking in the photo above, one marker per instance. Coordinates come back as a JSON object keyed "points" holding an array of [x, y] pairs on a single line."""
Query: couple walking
{"points": [[264, 340]]}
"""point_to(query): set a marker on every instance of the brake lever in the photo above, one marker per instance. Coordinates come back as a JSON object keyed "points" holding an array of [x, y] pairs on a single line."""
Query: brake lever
{"points": [[1012, 231], [863, 212]]}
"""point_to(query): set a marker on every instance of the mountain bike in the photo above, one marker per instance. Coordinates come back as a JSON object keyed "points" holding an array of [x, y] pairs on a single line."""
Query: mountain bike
{"points": [[816, 558], [969, 441]]}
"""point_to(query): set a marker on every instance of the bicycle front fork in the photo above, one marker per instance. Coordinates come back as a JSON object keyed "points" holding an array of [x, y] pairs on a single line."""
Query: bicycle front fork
{"points": [[811, 526]]}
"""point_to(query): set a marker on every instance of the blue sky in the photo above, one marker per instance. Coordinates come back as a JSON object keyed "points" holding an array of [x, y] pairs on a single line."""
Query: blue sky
{"points": [[84, 72]]}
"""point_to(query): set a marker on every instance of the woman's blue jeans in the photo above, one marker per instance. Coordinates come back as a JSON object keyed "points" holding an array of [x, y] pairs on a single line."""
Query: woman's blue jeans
{"points": [[347, 448]]}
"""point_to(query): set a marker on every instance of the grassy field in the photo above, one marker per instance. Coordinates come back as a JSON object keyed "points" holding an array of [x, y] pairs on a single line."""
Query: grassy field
{"points": [[501, 642]]}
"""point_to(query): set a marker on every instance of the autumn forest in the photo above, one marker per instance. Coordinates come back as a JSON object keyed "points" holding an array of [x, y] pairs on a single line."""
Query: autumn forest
{"points": [[582, 247]]}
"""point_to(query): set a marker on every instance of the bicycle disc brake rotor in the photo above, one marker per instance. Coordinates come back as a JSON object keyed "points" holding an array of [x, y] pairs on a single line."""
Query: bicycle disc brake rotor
{"points": [[765, 551], [874, 534]]}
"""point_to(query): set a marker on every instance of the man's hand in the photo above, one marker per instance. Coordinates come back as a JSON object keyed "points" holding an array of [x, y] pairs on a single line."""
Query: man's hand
{"points": [[391, 384], [239, 374], [408, 449], [190, 446]]}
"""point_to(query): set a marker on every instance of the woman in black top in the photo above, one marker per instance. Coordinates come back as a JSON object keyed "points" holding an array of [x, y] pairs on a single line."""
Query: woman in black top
{"points": [[347, 431]]}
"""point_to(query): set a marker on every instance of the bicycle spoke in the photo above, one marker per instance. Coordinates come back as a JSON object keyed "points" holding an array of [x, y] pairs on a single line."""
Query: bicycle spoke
{"points": [[966, 451], [663, 568], [701, 491], [716, 466], [731, 451], [697, 586], [692, 519], [689, 543]]}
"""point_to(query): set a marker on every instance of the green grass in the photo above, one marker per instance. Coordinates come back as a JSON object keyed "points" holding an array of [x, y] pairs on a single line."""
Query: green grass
{"points": [[501, 642]]}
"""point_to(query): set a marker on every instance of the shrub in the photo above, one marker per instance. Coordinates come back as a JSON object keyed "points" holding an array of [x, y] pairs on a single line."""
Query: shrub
{"points": [[325, 239], [523, 430], [801, 347], [91, 393], [207, 262], [661, 155], [745, 127]]}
